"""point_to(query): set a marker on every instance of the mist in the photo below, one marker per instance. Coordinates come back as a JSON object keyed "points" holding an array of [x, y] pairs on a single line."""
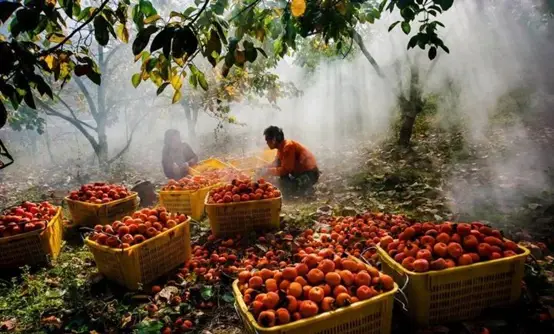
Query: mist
{"points": [[494, 51]]}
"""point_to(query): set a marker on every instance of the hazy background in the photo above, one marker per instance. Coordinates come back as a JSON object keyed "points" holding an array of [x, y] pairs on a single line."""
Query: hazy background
{"points": [[496, 49]]}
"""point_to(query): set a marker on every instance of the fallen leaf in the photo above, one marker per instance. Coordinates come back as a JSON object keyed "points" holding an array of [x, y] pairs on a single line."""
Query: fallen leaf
{"points": [[168, 292], [8, 325], [51, 321]]}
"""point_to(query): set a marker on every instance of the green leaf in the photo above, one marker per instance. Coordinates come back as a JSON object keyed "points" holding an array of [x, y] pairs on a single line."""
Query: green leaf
{"points": [[207, 292], [189, 11], [85, 13], [228, 297], [142, 39], [447, 50], [446, 4], [213, 45], [413, 41], [43, 87], [152, 19], [161, 88], [27, 19], [136, 79], [250, 52], [151, 64], [393, 25], [7, 9], [149, 327], [29, 99], [406, 27], [146, 8], [101, 30], [202, 81], [432, 52], [162, 40], [218, 8], [184, 41], [176, 14], [382, 5], [68, 7], [95, 77], [193, 80]]}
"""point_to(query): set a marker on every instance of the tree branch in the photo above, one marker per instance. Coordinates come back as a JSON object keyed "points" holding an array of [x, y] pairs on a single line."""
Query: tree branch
{"points": [[254, 3], [73, 113], [89, 20], [358, 39], [128, 144], [49, 111], [200, 12], [92, 106]]}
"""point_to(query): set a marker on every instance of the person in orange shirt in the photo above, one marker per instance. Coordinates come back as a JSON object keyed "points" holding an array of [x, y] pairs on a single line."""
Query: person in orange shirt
{"points": [[295, 165]]}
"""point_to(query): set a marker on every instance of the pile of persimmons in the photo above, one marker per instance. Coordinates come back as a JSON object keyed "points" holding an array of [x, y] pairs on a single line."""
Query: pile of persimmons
{"points": [[428, 246], [319, 283]]}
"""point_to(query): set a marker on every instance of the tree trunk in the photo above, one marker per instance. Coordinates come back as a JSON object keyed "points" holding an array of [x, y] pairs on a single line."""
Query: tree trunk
{"points": [[48, 147], [192, 117], [406, 129]]}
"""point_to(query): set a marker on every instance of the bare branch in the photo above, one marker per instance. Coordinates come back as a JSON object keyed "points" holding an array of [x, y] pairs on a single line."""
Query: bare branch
{"points": [[92, 106], [199, 12], [73, 113], [358, 39], [50, 111], [128, 144]]}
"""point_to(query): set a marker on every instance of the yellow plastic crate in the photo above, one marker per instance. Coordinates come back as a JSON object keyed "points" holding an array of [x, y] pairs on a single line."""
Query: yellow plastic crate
{"points": [[33, 248], [248, 165], [207, 164], [268, 155], [189, 202], [240, 217], [372, 316], [141, 264], [89, 214], [458, 293]]}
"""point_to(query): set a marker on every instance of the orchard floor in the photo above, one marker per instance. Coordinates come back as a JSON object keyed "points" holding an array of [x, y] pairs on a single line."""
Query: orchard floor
{"points": [[441, 177]]}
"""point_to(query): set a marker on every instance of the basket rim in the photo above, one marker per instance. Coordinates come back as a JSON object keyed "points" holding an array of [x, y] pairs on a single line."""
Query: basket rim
{"points": [[267, 200], [398, 267], [132, 195], [118, 250], [35, 232], [234, 162], [205, 161], [183, 192], [323, 316]]}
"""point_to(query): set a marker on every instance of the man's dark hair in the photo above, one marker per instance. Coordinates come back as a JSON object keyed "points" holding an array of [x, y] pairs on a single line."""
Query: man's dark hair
{"points": [[274, 132]]}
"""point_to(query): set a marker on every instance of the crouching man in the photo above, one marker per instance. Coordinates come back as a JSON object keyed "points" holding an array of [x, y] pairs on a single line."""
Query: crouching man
{"points": [[295, 165]]}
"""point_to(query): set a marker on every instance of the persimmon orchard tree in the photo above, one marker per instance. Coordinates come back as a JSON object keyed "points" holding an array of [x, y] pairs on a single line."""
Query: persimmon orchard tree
{"points": [[47, 38]]}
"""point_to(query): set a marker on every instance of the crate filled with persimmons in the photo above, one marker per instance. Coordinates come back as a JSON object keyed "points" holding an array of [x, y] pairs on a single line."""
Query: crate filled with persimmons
{"points": [[454, 270], [187, 194], [141, 247], [243, 205], [323, 293], [100, 203], [30, 234]]}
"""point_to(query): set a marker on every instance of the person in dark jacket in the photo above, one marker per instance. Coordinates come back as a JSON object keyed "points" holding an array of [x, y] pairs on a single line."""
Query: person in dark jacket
{"points": [[177, 156]]}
